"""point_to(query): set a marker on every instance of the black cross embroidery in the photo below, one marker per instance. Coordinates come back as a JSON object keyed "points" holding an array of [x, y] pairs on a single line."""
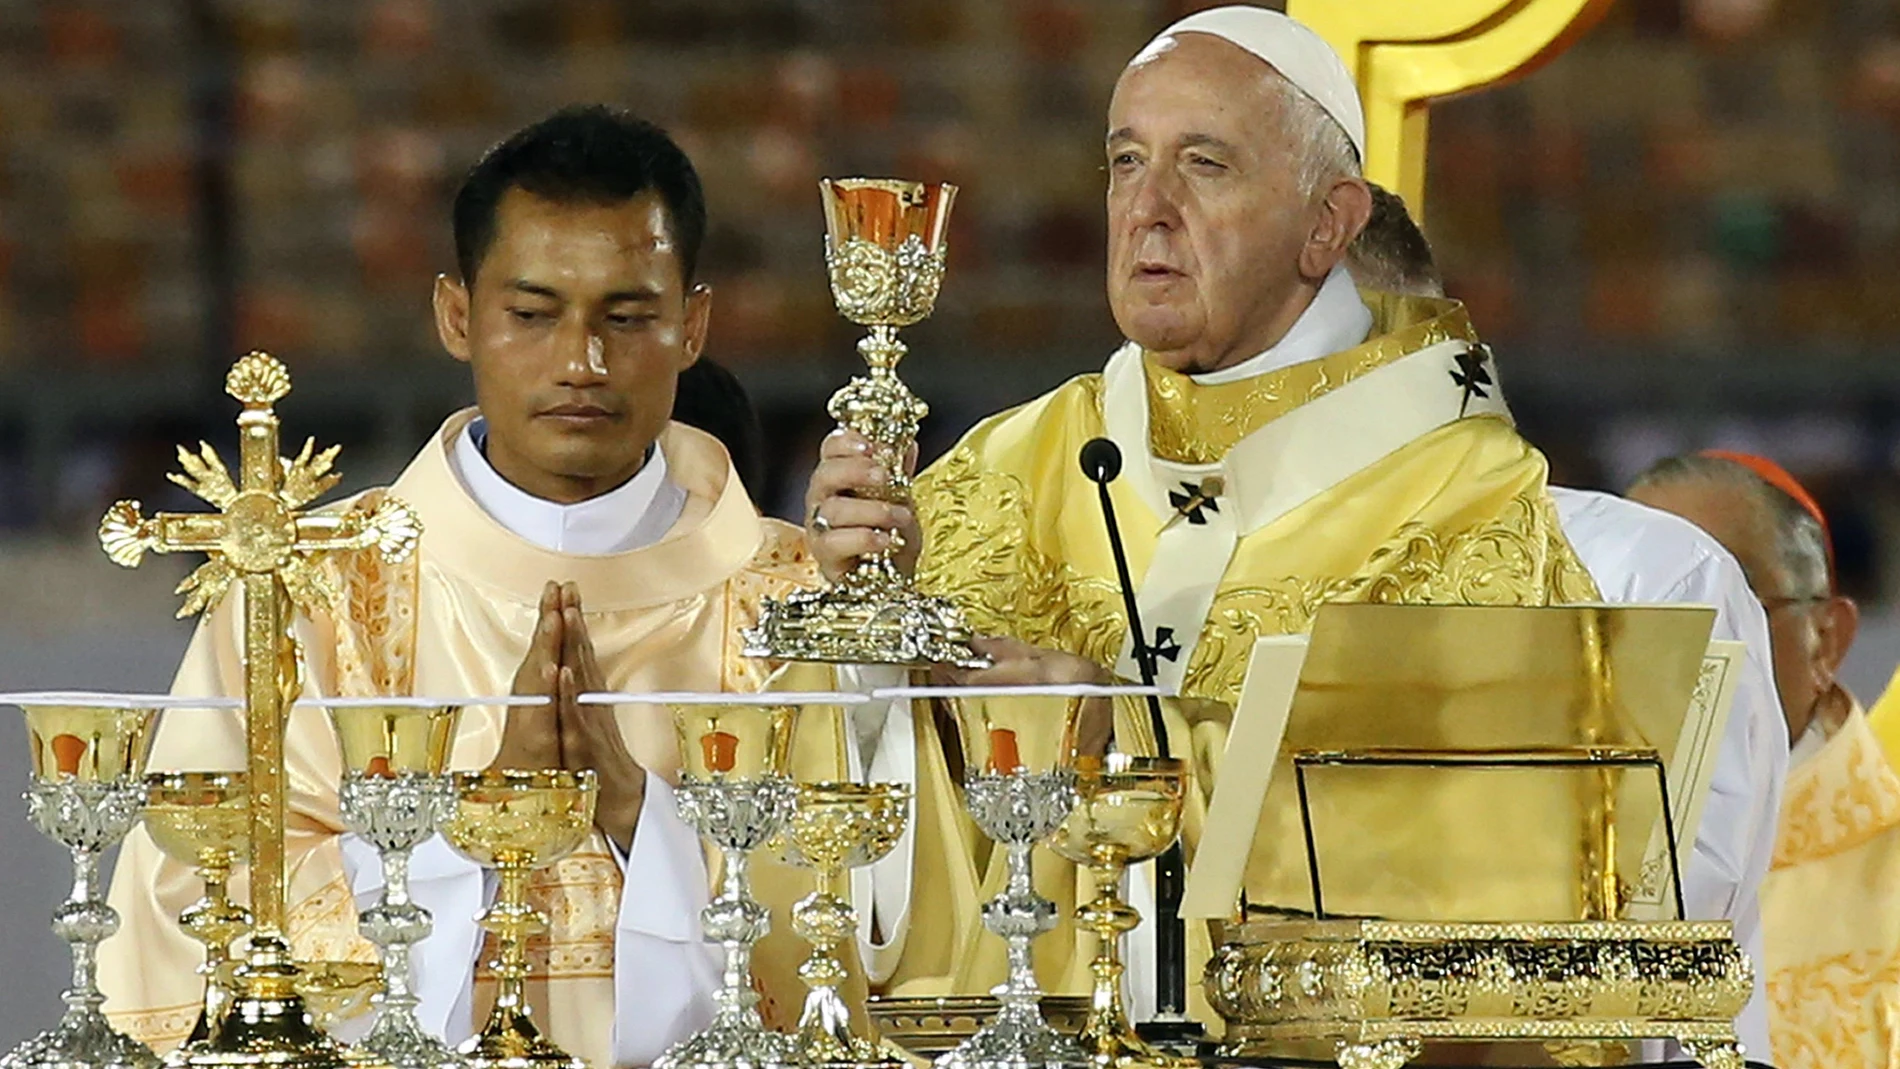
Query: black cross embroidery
{"points": [[1164, 644], [1472, 376], [1191, 503]]}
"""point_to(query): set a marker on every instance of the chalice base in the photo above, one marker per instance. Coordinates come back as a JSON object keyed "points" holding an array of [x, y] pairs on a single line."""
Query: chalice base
{"points": [[825, 1039], [1108, 1044], [1018, 1038], [397, 1042], [273, 1032], [510, 1041], [83, 1040], [879, 619], [729, 1045]]}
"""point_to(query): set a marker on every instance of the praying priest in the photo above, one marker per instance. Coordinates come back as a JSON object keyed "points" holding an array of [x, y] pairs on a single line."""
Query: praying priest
{"points": [[574, 540], [1288, 441], [1828, 913]]}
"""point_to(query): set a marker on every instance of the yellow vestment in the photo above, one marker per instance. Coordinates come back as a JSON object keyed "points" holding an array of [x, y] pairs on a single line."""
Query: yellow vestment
{"points": [[455, 620], [1883, 716], [1830, 921], [1384, 472]]}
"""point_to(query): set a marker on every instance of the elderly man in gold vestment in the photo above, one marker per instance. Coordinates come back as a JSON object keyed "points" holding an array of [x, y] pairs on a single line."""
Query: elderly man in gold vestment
{"points": [[574, 540], [1828, 905], [1289, 440]]}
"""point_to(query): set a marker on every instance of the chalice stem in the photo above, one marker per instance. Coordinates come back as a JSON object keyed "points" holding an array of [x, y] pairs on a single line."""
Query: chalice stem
{"points": [[399, 998], [85, 921], [511, 961], [736, 998], [1021, 987]]}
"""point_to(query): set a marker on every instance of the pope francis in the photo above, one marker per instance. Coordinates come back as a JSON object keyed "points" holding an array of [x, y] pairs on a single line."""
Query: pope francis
{"points": [[1291, 440], [575, 540]]}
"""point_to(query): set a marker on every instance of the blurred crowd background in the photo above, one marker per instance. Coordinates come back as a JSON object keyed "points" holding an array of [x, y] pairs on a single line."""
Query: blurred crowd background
{"points": [[1682, 233]]}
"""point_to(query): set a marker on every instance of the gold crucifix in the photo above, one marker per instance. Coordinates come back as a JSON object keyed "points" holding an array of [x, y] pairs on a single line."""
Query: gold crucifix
{"points": [[1407, 53], [258, 537]]}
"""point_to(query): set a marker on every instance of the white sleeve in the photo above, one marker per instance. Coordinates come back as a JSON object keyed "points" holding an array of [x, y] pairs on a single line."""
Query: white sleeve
{"points": [[1736, 839], [665, 974], [453, 889], [881, 748]]}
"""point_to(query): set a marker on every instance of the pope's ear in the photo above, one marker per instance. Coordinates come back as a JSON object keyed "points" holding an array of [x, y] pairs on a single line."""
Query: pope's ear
{"points": [[698, 323], [451, 315], [1338, 217]]}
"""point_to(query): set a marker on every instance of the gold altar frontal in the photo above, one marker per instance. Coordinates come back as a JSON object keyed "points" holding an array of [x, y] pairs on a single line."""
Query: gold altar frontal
{"points": [[1469, 833], [1374, 989]]}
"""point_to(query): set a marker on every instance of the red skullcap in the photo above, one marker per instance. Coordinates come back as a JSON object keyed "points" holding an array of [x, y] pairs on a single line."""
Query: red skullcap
{"points": [[1777, 476]]}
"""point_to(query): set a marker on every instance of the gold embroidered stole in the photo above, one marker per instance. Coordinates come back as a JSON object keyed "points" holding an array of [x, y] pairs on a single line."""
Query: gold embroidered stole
{"points": [[1197, 424], [1831, 938]]}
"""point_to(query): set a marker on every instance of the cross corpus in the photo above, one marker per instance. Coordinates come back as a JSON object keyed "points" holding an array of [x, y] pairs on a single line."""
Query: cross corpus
{"points": [[259, 538]]}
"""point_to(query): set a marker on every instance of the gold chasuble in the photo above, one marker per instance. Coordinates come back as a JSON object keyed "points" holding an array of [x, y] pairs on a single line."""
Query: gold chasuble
{"points": [[1830, 922], [456, 621], [1386, 472]]}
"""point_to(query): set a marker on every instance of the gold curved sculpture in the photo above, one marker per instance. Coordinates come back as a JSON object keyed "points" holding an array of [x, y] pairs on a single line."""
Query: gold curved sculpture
{"points": [[1405, 54]]}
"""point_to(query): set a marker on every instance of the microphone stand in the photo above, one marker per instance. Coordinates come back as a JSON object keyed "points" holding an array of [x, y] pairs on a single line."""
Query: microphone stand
{"points": [[1101, 461]]}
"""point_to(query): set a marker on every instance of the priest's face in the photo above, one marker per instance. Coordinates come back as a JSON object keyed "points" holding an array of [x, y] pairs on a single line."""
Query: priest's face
{"points": [[577, 325], [1214, 249]]}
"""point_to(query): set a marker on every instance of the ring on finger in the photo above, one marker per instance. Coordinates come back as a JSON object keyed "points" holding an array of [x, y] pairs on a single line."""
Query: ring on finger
{"points": [[819, 523]]}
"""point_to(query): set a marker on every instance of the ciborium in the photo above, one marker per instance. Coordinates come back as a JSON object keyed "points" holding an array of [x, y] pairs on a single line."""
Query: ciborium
{"points": [[515, 822], [836, 827], [395, 793], [1019, 791], [734, 753], [884, 252], [203, 819], [86, 792], [1127, 809]]}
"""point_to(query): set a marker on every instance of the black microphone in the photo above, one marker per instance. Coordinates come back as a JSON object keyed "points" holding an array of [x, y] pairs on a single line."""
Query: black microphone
{"points": [[1101, 461]]}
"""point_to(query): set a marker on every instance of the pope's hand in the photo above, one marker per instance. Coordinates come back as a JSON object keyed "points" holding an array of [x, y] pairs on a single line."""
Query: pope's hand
{"points": [[1015, 663], [844, 520], [590, 735], [531, 734]]}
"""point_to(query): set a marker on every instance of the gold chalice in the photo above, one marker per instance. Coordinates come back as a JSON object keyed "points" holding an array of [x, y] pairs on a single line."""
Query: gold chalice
{"points": [[394, 793], [833, 828], [515, 822], [1127, 809], [734, 750], [88, 759], [203, 819], [884, 251]]}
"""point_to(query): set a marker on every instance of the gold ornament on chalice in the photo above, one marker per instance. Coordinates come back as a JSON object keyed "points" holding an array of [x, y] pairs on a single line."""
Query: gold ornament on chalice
{"points": [[884, 251]]}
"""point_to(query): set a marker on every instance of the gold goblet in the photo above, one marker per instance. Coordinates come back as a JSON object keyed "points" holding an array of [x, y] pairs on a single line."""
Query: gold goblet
{"points": [[394, 794], [515, 822], [833, 828], [734, 750], [86, 792], [884, 251], [203, 819], [1127, 809]]}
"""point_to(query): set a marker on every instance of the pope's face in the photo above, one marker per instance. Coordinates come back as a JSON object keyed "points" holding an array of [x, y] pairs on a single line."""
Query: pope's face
{"points": [[577, 326], [1209, 233]]}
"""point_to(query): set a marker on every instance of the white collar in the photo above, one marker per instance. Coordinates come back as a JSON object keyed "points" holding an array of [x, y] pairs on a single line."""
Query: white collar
{"points": [[633, 515], [1336, 320]]}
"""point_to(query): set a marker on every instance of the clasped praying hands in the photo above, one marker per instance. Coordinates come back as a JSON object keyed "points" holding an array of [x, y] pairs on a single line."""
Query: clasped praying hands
{"points": [[566, 734]]}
